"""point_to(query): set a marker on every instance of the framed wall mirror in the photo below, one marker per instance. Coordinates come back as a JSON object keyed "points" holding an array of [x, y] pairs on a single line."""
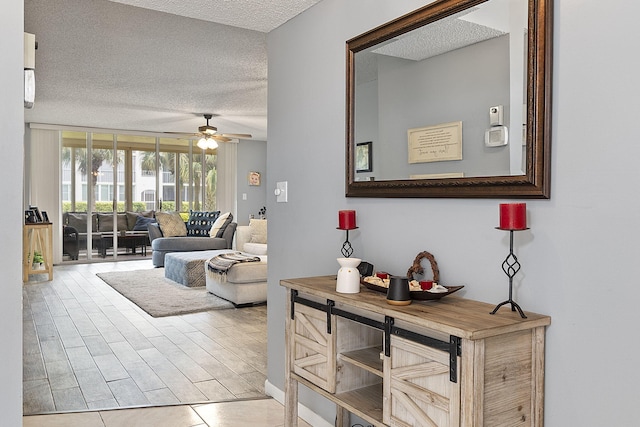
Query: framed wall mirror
{"points": [[455, 99]]}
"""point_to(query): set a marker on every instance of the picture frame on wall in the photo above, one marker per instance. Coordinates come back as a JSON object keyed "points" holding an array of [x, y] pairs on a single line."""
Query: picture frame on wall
{"points": [[254, 178], [364, 156]]}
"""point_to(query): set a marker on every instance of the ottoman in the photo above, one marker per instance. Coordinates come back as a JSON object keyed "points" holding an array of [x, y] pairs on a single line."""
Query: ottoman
{"points": [[245, 284], [188, 268]]}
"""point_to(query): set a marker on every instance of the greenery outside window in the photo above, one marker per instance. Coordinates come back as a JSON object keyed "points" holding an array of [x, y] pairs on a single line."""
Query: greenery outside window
{"points": [[139, 168]]}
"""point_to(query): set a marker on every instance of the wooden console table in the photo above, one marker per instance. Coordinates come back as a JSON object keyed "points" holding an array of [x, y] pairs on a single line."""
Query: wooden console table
{"points": [[432, 363], [37, 238]]}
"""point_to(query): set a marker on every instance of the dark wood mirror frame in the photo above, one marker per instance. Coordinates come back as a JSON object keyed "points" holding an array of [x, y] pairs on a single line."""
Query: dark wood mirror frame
{"points": [[536, 182]]}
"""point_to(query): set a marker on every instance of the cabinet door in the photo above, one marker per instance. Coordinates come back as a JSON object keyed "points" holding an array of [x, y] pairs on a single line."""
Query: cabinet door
{"points": [[314, 355], [418, 390]]}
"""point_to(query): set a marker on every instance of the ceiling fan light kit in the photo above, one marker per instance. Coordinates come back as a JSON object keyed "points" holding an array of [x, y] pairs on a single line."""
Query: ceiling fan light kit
{"points": [[207, 143]]}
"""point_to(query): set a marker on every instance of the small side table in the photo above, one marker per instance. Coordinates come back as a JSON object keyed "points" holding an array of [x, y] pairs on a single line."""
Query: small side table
{"points": [[37, 238]]}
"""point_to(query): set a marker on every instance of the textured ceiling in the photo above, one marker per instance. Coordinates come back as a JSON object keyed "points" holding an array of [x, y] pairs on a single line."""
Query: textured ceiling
{"points": [[259, 15], [437, 38], [105, 64]]}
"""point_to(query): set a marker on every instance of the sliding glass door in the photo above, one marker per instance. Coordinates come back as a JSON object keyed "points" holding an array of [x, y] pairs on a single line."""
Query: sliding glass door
{"points": [[108, 179]]}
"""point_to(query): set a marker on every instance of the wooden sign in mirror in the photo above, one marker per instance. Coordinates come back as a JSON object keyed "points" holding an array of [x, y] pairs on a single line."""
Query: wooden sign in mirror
{"points": [[455, 100]]}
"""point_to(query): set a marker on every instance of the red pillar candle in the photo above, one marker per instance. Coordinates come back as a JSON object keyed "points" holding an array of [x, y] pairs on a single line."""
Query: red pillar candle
{"points": [[513, 216], [347, 220]]}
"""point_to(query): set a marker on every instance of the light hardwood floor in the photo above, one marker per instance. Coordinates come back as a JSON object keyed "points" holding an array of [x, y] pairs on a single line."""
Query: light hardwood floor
{"points": [[86, 347]]}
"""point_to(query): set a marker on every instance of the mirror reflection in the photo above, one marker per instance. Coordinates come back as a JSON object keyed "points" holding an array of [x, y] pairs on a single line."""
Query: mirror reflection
{"points": [[452, 100], [446, 100]]}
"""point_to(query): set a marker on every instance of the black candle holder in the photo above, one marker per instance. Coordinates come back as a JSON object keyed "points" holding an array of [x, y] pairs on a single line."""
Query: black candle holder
{"points": [[510, 266], [347, 249]]}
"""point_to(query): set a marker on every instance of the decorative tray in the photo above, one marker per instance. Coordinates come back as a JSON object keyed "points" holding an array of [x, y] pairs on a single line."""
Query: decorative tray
{"points": [[417, 295]]}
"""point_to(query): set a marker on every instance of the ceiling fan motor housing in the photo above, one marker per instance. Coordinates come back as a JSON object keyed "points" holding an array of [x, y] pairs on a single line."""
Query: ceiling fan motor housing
{"points": [[210, 130]]}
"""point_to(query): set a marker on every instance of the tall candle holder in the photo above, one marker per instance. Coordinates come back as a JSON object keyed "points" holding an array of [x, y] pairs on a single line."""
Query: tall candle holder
{"points": [[347, 221], [347, 249], [513, 217], [510, 266]]}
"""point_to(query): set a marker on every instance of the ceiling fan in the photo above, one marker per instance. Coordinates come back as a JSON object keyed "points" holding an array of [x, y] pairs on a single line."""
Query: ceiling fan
{"points": [[209, 136]]}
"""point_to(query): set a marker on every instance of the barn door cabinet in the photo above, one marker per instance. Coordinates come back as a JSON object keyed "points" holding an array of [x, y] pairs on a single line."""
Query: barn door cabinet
{"points": [[441, 363]]}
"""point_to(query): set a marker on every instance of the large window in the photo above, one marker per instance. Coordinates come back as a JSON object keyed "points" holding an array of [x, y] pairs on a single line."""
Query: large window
{"points": [[134, 173]]}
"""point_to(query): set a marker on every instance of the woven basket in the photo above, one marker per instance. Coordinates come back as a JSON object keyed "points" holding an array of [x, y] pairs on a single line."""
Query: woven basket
{"points": [[416, 267]]}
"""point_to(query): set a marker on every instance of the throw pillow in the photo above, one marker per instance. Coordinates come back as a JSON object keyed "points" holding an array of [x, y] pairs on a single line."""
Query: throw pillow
{"points": [[132, 218], [142, 223], [171, 224], [105, 222], [200, 223], [77, 221], [258, 230], [217, 229]]}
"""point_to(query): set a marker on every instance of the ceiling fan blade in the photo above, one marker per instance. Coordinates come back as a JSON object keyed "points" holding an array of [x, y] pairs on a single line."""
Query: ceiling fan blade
{"points": [[185, 134], [220, 138], [237, 135]]}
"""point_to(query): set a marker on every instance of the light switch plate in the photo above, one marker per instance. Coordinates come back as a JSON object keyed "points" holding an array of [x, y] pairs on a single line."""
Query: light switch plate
{"points": [[281, 192]]}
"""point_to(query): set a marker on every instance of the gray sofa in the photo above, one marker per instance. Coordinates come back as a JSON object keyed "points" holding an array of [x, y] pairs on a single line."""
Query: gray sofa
{"points": [[74, 228], [164, 245]]}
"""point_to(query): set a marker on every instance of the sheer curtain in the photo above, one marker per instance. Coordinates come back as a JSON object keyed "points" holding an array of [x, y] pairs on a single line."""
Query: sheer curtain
{"points": [[227, 182]]}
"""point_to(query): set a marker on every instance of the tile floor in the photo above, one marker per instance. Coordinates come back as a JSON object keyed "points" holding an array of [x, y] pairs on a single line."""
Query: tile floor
{"points": [[256, 413], [87, 348]]}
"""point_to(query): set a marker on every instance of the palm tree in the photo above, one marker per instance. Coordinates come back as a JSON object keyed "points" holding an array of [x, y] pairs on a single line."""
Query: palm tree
{"points": [[168, 163], [98, 157], [210, 183]]}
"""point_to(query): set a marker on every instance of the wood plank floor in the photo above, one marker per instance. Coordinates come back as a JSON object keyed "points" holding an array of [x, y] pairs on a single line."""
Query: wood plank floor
{"points": [[88, 347]]}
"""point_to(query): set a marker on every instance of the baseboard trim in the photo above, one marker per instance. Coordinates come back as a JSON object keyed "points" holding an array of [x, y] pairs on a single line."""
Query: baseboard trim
{"points": [[303, 412]]}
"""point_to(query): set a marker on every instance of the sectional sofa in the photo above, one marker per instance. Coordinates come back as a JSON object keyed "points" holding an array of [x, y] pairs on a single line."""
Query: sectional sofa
{"points": [[203, 231]]}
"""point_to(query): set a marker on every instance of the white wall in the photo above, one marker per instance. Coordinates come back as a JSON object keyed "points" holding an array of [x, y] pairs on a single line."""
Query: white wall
{"points": [[579, 260], [12, 131]]}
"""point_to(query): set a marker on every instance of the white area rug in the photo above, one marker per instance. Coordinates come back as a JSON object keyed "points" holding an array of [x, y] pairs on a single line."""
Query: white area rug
{"points": [[159, 296]]}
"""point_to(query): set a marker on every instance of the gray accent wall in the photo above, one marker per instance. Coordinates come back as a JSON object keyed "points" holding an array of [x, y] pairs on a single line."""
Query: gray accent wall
{"points": [[579, 259], [252, 156]]}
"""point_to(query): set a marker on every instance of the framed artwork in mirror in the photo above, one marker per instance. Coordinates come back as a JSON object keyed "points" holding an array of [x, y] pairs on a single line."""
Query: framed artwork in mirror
{"points": [[364, 156]]}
